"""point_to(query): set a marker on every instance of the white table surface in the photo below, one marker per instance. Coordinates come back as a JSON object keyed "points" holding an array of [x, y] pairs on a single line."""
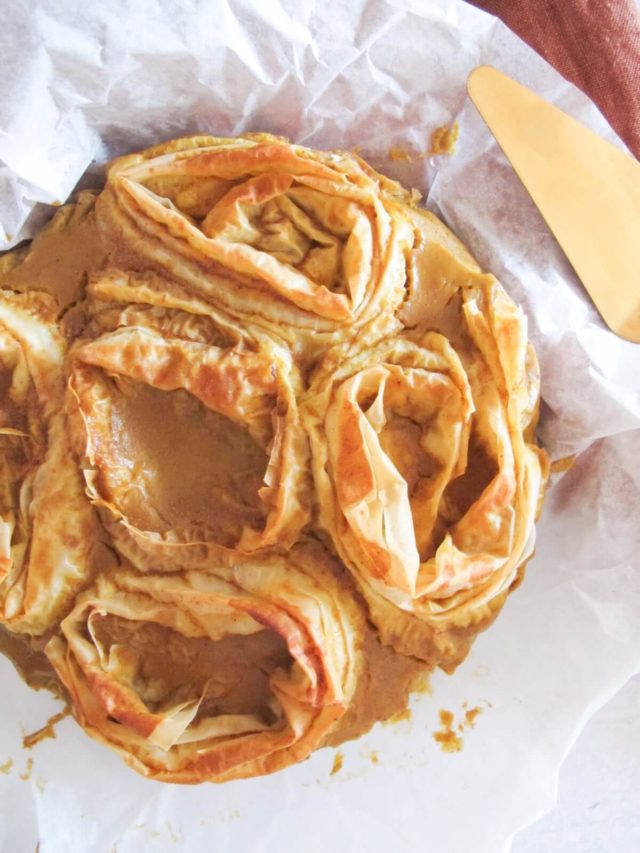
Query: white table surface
{"points": [[598, 808]]}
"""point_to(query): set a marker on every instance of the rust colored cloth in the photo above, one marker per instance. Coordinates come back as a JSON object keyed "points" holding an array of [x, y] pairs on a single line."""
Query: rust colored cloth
{"points": [[593, 43]]}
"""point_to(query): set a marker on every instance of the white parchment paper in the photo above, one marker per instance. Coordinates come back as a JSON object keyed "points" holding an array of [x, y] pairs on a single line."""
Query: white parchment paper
{"points": [[84, 81]]}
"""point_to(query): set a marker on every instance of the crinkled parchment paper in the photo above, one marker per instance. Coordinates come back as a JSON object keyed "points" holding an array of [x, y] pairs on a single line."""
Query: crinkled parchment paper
{"points": [[82, 82]]}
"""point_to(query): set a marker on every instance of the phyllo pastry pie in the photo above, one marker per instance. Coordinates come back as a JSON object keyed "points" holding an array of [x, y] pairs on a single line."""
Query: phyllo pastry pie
{"points": [[188, 429], [267, 454], [213, 676], [49, 539]]}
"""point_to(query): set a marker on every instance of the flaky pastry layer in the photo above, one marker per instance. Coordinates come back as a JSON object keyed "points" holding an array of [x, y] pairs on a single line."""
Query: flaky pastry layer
{"points": [[50, 542], [425, 480], [204, 726], [300, 242]]}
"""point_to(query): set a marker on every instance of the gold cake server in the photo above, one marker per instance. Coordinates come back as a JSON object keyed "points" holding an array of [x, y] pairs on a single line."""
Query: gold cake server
{"points": [[587, 190]]}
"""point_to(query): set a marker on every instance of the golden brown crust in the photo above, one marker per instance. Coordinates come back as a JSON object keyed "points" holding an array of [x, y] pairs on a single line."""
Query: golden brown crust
{"points": [[50, 540], [300, 243]]}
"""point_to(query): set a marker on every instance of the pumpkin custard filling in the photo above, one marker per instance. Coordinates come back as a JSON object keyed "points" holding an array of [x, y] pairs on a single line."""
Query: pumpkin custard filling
{"points": [[211, 481], [267, 454], [226, 677]]}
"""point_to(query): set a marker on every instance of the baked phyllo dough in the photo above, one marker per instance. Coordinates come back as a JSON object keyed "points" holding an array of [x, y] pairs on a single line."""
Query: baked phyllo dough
{"points": [[193, 450], [302, 242], [198, 676], [238, 349], [49, 538], [425, 480]]}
